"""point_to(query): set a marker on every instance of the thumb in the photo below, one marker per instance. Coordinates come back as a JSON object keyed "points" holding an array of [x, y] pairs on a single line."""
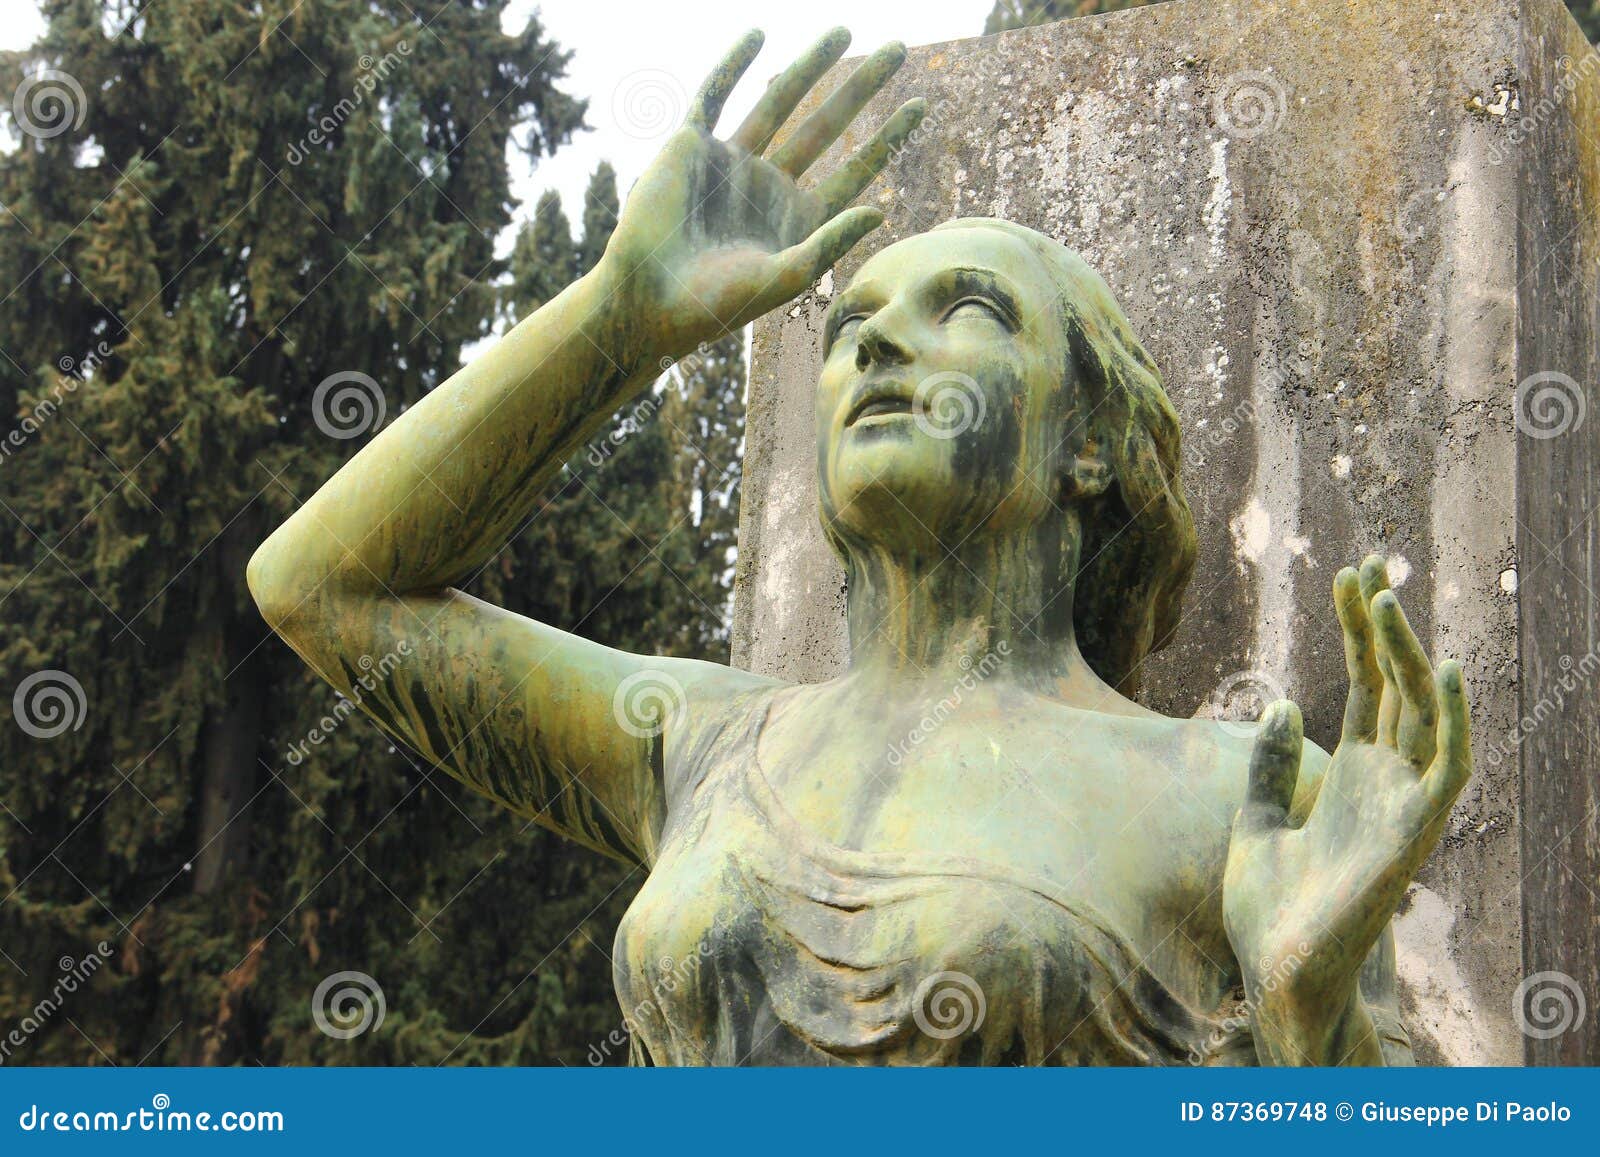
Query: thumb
{"points": [[1274, 768]]}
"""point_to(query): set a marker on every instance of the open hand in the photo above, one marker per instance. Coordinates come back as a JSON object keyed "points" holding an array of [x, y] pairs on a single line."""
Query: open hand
{"points": [[1304, 905], [718, 232]]}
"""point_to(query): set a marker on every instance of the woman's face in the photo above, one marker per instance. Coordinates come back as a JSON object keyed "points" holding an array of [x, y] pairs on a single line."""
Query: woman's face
{"points": [[946, 393]]}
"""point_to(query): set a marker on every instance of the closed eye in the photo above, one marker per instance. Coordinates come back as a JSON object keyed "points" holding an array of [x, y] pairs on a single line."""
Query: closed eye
{"points": [[978, 307], [844, 329]]}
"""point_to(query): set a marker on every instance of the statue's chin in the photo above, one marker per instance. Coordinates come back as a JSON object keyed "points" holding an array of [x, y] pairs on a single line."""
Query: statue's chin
{"points": [[901, 509]]}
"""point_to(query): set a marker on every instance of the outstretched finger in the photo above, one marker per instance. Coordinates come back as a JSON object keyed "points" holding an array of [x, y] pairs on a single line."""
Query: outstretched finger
{"points": [[801, 264], [1274, 769], [1374, 581], [1360, 658], [713, 94], [822, 128], [1452, 767], [1419, 711], [788, 90], [867, 162]]}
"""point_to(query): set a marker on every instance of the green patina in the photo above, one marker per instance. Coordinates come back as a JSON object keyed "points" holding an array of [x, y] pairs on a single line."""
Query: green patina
{"points": [[948, 854]]}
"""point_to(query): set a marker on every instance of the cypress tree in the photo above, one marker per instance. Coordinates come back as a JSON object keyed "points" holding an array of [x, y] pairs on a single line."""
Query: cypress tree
{"points": [[249, 234], [1008, 14]]}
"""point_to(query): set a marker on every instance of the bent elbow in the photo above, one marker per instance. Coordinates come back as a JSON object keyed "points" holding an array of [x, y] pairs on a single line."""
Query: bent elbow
{"points": [[270, 587]]}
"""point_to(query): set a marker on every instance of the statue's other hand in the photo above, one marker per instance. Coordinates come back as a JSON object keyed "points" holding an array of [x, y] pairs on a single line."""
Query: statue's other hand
{"points": [[717, 232], [1304, 905]]}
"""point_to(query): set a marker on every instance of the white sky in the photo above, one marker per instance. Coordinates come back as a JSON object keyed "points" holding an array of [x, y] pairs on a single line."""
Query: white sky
{"points": [[627, 52], [651, 55]]}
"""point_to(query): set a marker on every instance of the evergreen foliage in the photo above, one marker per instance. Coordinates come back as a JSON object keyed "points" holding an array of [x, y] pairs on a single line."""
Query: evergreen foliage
{"points": [[258, 198]]}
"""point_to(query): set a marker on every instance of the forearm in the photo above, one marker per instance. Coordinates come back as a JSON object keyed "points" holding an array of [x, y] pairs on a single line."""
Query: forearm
{"points": [[442, 488]]}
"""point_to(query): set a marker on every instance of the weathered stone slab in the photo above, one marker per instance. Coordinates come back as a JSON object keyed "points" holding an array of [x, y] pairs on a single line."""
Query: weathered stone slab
{"points": [[1346, 233]]}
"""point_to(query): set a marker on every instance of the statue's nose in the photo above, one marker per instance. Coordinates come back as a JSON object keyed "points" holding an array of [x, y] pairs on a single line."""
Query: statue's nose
{"points": [[876, 343]]}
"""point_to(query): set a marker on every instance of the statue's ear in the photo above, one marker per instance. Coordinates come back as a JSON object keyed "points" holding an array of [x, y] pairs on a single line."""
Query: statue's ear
{"points": [[1087, 473]]}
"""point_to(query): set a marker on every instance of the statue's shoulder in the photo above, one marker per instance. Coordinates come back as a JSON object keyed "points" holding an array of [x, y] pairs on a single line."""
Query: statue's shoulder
{"points": [[718, 709]]}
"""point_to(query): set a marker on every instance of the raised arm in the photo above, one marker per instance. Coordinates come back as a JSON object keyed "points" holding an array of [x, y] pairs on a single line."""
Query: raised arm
{"points": [[357, 581]]}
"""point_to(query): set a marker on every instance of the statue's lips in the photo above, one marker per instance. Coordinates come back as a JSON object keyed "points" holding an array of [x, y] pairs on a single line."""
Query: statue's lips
{"points": [[881, 401]]}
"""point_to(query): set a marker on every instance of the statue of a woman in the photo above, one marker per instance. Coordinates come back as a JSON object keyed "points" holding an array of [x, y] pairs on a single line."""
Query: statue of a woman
{"points": [[1052, 874]]}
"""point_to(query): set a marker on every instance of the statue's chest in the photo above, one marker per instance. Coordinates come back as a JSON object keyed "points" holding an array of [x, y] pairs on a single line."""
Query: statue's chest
{"points": [[1029, 798], [785, 927]]}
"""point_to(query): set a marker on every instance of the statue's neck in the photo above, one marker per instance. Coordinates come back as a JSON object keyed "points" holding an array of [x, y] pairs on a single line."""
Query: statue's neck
{"points": [[997, 604]]}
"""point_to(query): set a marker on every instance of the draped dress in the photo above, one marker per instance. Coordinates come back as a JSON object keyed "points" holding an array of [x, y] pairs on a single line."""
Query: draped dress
{"points": [[755, 941]]}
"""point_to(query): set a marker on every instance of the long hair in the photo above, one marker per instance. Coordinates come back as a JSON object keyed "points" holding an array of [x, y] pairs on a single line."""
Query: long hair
{"points": [[1139, 544]]}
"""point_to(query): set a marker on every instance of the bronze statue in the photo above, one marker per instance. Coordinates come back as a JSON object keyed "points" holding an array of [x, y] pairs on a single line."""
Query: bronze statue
{"points": [[849, 872]]}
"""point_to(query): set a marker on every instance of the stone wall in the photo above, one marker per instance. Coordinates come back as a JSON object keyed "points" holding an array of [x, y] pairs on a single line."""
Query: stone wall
{"points": [[1346, 232]]}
